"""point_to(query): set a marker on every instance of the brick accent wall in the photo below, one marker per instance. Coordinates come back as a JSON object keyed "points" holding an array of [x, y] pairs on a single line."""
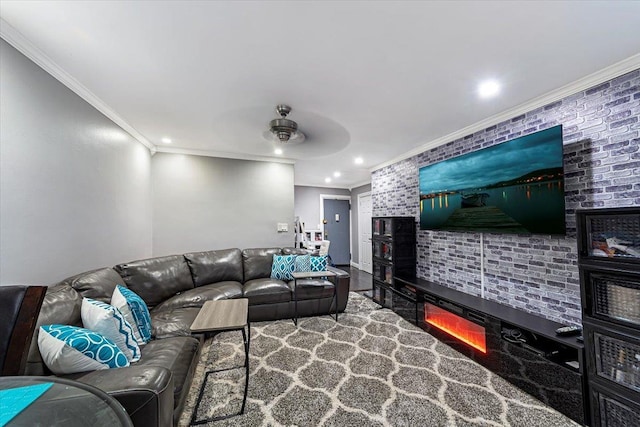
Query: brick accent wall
{"points": [[539, 273]]}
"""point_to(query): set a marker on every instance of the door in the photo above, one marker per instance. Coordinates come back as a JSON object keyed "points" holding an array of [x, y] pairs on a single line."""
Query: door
{"points": [[336, 230], [364, 231]]}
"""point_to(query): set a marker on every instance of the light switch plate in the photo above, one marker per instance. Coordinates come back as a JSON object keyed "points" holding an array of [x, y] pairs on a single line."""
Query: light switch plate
{"points": [[283, 227]]}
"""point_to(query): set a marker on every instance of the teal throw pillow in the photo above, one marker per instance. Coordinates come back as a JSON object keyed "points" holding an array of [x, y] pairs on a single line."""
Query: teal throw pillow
{"points": [[319, 263], [69, 349], [135, 310], [303, 263], [282, 267]]}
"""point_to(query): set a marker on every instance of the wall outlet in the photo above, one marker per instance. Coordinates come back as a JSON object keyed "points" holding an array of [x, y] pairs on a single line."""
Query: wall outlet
{"points": [[283, 227]]}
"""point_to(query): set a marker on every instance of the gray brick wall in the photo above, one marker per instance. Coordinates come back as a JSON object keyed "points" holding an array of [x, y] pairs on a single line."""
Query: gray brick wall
{"points": [[539, 274]]}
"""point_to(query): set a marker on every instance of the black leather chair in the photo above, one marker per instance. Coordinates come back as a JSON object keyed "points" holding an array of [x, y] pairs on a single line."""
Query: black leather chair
{"points": [[19, 309]]}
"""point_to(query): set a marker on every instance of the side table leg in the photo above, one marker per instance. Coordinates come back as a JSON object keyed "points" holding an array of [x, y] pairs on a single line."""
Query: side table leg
{"points": [[246, 366], [336, 291], [335, 296], [295, 302]]}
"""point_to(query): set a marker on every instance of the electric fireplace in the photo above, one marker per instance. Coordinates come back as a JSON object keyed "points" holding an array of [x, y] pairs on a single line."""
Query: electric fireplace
{"points": [[520, 347], [452, 322]]}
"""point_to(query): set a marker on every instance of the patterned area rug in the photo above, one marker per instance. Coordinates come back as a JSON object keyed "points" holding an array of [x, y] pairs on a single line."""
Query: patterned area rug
{"points": [[372, 368]]}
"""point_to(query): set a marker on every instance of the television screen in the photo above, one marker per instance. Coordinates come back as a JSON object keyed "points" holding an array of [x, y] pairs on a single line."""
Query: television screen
{"points": [[513, 187]]}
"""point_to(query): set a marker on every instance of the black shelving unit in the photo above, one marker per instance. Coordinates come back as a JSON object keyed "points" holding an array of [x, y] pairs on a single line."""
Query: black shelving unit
{"points": [[394, 254], [609, 264]]}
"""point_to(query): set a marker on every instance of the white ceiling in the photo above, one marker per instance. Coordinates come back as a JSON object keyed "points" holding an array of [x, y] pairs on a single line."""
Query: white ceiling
{"points": [[370, 79]]}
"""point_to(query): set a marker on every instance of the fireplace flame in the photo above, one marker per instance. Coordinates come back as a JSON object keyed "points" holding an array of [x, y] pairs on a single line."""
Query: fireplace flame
{"points": [[456, 326]]}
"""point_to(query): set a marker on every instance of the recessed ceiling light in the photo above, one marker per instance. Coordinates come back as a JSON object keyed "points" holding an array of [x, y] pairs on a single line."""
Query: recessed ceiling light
{"points": [[358, 160], [166, 140], [327, 180], [336, 174], [488, 89], [278, 151]]}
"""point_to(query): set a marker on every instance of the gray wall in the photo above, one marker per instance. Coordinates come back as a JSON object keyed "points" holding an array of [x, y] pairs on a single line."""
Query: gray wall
{"points": [[74, 187], [538, 273], [307, 203], [203, 203], [355, 247]]}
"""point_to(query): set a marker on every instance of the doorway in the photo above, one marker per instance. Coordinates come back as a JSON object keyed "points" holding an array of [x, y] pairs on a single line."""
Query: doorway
{"points": [[336, 213], [365, 212]]}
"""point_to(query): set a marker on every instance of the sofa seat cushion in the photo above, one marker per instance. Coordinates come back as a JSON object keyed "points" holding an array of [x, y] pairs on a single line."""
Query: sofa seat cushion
{"points": [[266, 291], [173, 323], [312, 289], [176, 354], [196, 297]]}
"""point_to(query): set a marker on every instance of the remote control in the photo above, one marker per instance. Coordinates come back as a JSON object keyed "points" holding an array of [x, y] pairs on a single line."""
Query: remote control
{"points": [[569, 330]]}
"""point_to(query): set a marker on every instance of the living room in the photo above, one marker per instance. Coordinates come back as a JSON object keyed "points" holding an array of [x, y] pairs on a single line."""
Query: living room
{"points": [[83, 188]]}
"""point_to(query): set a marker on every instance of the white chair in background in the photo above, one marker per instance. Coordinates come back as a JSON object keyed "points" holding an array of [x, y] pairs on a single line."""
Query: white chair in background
{"points": [[324, 251], [324, 248]]}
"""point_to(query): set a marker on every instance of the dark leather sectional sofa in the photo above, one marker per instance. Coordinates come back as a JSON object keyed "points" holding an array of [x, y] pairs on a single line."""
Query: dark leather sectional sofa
{"points": [[154, 389]]}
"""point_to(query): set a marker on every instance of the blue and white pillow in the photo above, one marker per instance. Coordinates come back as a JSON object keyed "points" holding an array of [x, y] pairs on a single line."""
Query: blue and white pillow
{"points": [[319, 263], [135, 310], [69, 349], [109, 322], [303, 263], [282, 267]]}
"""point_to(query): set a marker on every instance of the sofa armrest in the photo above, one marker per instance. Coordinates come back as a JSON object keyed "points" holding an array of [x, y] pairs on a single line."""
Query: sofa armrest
{"points": [[145, 392], [343, 279]]}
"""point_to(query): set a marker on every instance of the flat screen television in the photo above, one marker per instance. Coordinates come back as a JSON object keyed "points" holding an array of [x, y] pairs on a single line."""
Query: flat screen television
{"points": [[514, 187]]}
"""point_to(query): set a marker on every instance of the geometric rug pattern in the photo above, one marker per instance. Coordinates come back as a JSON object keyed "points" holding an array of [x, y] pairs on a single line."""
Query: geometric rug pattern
{"points": [[372, 368]]}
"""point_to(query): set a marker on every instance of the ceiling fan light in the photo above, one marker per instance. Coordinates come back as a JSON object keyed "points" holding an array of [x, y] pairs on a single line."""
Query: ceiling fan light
{"points": [[283, 136], [283, 128]]}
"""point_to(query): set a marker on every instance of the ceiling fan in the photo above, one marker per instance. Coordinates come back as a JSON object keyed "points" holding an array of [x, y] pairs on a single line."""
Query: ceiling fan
{"points": [[285, 130]]}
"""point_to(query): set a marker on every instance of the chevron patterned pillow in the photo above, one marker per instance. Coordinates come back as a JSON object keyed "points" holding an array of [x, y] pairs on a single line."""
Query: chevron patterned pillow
{"points": [[109, 322]]}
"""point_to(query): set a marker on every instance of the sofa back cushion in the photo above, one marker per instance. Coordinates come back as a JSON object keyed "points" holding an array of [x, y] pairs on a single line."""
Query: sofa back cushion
{"points": [[215, 266], [294, 251], [156, 279], [257, 262], [96, 284], [61, 305]]}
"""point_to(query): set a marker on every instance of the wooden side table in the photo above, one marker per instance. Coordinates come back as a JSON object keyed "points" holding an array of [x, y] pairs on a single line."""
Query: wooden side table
{"points": [[223, 316], [312, 275]]}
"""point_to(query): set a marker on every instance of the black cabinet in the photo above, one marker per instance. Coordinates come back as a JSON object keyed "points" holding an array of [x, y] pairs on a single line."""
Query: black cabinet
{"points": [[609, 263], [520, 347], [394, 254]]}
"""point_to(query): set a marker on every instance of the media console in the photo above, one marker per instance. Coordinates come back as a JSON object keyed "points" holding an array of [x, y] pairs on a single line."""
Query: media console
{"points": [[520, 347]]}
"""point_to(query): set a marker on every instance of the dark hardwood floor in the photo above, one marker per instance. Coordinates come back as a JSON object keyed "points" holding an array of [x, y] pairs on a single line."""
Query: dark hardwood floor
{"points": [[360, 280]]}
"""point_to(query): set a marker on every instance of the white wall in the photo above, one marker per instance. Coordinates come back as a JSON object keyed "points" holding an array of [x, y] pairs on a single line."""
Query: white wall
{"points": [[74, 187], [203, 203]]}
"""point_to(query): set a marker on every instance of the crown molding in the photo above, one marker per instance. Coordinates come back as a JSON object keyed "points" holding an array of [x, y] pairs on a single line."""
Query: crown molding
{"points": [[328, 186], [619, 68], [222, 154], [28, 49], [359, 184]]}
